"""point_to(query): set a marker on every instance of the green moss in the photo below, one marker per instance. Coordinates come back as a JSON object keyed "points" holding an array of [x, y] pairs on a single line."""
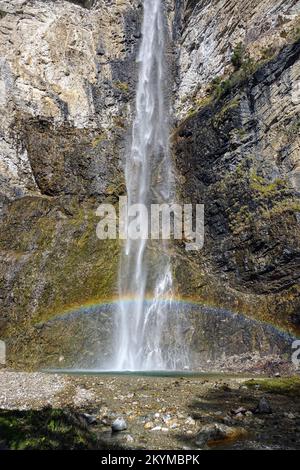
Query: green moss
{"points": [[289, 386], [281, 207], [260, 185], [268, 53], [238, 56], [244, 67], [293, 129], [230, 106], [66, 264], [98, 139], [48, 429], [119, 122], [241, 132], [294, 34], [122, 86]]}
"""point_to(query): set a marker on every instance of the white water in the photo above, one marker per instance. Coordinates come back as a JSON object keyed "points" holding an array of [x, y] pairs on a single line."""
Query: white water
{"points": [[142, 327]]}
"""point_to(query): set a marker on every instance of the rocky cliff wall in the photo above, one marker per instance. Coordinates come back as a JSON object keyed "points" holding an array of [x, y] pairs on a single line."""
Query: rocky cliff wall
{"points": [[237, 151], [67, 84]]}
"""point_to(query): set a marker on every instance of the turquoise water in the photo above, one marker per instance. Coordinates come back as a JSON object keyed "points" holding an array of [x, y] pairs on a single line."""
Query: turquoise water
{"points": [[147, 373]]}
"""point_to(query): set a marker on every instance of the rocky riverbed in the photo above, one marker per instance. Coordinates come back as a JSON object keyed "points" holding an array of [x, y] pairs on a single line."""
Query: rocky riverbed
{"points": [[206, 411]]}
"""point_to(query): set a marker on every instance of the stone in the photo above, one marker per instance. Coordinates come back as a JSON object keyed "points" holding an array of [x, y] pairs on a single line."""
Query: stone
{"points": [[190, 421], [240, 410], [166, 418], [216, 433], [149, 425], [263, 407], [290, 415], [156, 428], [119, 425], [174, 426], [90, 419]]}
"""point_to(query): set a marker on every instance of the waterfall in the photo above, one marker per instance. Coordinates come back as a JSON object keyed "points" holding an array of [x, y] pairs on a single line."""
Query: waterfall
{"points": [[143, 326]]}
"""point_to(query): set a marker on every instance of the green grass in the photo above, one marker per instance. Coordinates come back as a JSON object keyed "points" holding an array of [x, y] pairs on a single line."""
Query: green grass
{"points": [[48, 429], [281, 386]]}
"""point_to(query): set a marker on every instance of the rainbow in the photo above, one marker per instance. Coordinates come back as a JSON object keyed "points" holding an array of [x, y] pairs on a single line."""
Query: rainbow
{"points": [[90, 306]]}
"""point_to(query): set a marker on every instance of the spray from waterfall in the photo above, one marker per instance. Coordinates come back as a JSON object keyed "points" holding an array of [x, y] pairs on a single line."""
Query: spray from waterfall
{"points": [[144, 328]]}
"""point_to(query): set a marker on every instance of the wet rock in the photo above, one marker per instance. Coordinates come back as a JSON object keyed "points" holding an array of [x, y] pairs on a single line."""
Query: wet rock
{"points": [[214, 434], [238, 411], [228, 420], [90, 419], [290, 415], [263, 407], [239, 416], [119, 425]]}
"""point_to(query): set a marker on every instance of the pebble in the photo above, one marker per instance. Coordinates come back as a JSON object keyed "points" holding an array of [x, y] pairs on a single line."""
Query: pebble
{"points": [[289, 415], [119, 425], [240, 410], [190, 421], [174, 426], [156, 428], [149, 425], [166, 418]]}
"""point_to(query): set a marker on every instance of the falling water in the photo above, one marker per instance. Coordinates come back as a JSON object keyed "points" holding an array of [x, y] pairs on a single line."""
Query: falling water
{"points": [[144, 328]]}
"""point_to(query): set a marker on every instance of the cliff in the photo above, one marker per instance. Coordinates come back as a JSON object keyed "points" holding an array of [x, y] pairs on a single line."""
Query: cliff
{"points": [[67, 85]]}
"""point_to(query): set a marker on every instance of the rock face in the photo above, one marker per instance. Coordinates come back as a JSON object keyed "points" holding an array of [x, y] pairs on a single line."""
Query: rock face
{"points": [[67, 85], [215, 340], [238, 152], [67, 81], [211, 29], [67, 75]]}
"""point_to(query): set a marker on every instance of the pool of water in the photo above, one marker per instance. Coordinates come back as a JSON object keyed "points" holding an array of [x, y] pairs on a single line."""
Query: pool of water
{"points": [[141, 373]]}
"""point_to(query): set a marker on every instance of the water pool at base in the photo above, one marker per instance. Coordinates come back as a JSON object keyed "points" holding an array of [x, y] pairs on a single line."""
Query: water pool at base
{"points": [[142, 373]]}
